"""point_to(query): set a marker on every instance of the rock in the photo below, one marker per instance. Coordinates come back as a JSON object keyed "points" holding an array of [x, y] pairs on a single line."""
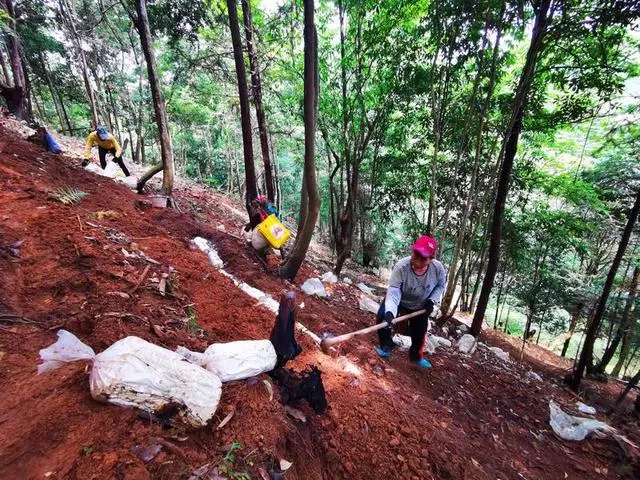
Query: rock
{"points": [[463, 328], [368, 304], [433, 342], [586, 408], [385, 273], [313, 286], [402, 341], [365, 289], [329, 277], [347, 280], [221, 228], [467, 344], [533, 376], [400, 458], [394, 442], [500, 353], [348, 466], [143, 205]]}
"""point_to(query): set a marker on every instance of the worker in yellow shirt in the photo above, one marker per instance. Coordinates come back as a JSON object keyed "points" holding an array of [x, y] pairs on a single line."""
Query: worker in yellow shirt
{"points": [[106, 143]]}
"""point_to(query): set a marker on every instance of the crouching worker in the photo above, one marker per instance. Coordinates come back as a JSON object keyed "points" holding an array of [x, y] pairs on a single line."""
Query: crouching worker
{"points": [[417, 282], [106, 143], [43, 138]]}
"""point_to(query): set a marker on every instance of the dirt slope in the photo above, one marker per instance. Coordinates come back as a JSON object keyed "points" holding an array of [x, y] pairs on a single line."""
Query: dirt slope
{"points": [[467, 418]]}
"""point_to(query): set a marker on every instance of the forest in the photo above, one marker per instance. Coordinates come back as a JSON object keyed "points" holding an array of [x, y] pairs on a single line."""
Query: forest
{"points": [[506, 129]]}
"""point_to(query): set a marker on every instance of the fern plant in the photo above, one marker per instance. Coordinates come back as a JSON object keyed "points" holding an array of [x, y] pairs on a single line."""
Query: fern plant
{"points": [[68, 195]]}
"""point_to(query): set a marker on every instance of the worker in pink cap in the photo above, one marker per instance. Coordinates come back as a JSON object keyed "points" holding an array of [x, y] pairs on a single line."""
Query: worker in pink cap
{"points": [[416, 282]]}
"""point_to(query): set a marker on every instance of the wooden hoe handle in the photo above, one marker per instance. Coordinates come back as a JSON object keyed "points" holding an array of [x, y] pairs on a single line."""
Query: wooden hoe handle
{"points": [[327, 342]]}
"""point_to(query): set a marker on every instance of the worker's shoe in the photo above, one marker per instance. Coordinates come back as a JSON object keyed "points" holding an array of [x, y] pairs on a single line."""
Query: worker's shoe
{"points": [[383, 352], [423, 363]]}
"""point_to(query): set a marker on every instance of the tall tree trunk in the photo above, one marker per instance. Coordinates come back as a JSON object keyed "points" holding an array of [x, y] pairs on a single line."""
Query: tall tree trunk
{"points": [[245, 115], [67, 14], [504, 272], [293, 262], [543, 17], [3, 64], [627, 341], [166, 150], [572, 326], [624, 324], [16, 95], [256, 84], [52, 90], [471, 194], [586, 355]]}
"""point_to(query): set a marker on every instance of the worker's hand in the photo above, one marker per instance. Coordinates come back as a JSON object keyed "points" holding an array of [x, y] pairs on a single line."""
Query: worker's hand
{"points": [[388, 319], [428, 306]]}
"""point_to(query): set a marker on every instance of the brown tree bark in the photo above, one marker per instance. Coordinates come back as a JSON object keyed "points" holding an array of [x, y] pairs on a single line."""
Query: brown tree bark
{"points": [[166, 150], [67, 16], [293, 262], [542, 20], [16, 95], [245, 115], [625, 323], [256, 84], [575, 316], [586, 355]]}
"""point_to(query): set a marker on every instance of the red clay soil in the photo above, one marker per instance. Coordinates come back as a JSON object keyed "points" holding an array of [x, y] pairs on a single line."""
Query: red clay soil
{"points": [[471, 417]]}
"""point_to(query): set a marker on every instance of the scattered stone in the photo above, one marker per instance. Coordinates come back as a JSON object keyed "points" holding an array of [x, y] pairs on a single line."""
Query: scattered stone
{"points": [[330, 277], [221, 228], [368, 304], [394, 442], [365, 289], [500, 353], [586, 408], [533, 376], [467, 344], [347, 280]]}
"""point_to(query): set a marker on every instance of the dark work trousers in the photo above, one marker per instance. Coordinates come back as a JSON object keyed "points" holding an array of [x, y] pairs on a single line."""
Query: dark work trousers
{"points": [[102, 153], [416, 327]]}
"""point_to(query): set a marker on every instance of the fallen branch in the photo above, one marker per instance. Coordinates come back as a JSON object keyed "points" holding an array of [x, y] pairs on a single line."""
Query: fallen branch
{"points": [[11, 318], [140, 280]]}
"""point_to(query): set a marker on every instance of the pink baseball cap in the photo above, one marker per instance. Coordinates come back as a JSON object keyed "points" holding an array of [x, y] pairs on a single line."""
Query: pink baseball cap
{"points": [[425, 246]]}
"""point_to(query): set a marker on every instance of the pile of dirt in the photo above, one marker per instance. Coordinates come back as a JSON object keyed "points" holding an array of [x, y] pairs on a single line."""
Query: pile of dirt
{"points": [[94, 267]]}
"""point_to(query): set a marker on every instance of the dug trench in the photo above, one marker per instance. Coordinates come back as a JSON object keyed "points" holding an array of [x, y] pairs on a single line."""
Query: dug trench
{"points": [[81, 267]]}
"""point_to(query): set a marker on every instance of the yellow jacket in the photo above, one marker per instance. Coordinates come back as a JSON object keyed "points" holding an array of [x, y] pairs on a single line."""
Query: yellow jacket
{"points": [[93, 139]]}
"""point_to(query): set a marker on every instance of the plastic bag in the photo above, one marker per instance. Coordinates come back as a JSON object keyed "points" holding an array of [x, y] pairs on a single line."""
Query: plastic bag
{"points": [[67, 349], [135, 373], [234, 360], [313, 286], [569, 427]]}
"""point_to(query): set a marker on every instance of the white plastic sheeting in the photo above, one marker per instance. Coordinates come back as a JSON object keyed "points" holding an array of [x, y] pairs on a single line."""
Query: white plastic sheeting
{"points": [[263, 298], [313, 286], [135, 373], [234, 360], [569, 427]]}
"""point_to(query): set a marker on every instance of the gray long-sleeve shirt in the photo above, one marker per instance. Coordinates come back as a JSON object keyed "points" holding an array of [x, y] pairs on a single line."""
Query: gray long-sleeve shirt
{"points": [[412, 291]]}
